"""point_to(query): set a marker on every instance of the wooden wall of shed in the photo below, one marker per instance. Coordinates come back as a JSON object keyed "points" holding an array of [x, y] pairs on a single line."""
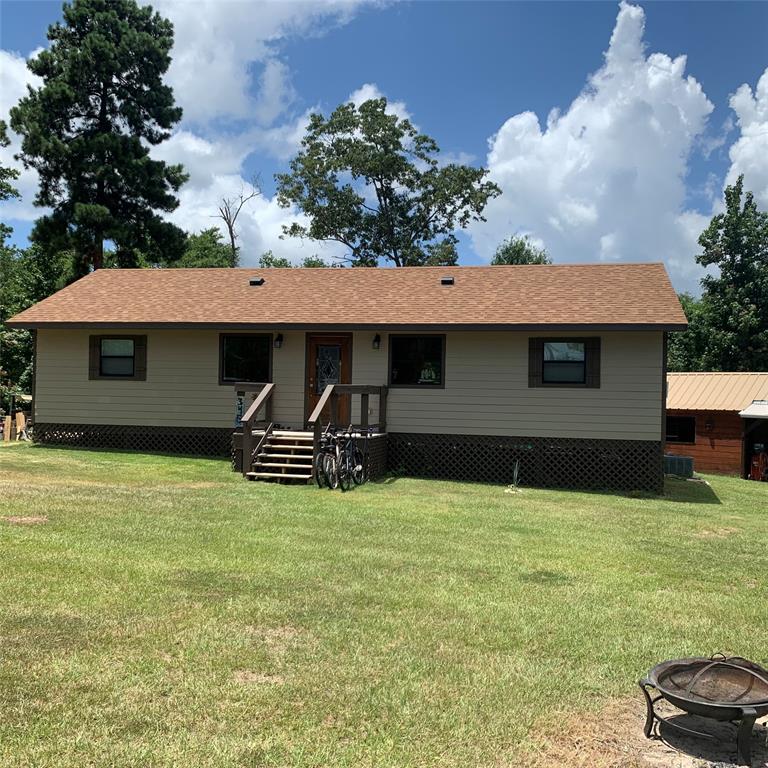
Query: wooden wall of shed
{"points": [[717, 450]]}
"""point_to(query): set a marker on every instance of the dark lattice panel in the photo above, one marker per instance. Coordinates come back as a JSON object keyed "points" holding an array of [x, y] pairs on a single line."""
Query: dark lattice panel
{"points": [[377, 456], [544, 462], [194, 441]]}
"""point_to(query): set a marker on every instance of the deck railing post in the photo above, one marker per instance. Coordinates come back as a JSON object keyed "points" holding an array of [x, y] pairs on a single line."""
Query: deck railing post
{"points": [[382, 409], [364, 410], [247, 446], [334, 409]]}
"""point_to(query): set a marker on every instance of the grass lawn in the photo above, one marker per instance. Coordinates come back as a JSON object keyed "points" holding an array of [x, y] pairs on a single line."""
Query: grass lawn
{"points": [[170, 614]]}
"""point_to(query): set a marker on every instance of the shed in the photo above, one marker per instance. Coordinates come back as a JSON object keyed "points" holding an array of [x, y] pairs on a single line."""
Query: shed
{"points": [[716, 418]]}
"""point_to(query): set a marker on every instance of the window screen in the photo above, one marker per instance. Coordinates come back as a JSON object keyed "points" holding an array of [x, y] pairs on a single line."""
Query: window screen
{"points": [[246, 357], [564, 362], [117, 357], [416, 361]]}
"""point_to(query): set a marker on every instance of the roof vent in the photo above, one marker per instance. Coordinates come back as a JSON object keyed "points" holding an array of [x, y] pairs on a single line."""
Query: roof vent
{"points": [[446, 281], [257, 281]]}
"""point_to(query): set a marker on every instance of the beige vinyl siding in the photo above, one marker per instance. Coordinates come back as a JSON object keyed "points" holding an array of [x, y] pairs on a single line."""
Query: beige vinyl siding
{"points": [[182, 386], [486, 389], [486, 386]]}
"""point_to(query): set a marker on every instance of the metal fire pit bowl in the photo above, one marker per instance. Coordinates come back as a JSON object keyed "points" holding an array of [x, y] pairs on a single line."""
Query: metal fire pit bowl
{"points": [[726, 689]]}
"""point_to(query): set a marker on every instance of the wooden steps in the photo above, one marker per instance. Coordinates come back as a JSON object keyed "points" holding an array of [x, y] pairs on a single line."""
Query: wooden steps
{"points": [[284, 456]]}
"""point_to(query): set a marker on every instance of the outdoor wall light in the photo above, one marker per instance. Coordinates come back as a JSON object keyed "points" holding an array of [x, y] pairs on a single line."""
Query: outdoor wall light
{"points": [[377, 341], [709, 424], [278, 341]]}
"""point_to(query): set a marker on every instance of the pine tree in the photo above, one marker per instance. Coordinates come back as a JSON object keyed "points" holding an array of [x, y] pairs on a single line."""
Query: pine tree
{"points": [[88, 129]]}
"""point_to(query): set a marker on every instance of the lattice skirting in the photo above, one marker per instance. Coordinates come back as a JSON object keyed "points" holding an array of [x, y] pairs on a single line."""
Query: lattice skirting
{"points": [[544, 462], [195, 441], [377, 456]]}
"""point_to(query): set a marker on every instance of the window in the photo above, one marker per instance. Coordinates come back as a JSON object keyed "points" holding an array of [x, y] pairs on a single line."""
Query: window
{"points": [[118, 357], [416, 361], [564, 362], [681, 429], [245, 357], [568, 362]]}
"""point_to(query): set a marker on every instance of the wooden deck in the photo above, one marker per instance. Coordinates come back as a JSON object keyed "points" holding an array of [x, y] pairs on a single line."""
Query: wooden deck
{"points": [[274, 454]]}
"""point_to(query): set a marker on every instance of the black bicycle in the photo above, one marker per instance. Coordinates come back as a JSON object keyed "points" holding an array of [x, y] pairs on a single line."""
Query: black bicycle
{"points": [[326, 461], [341, 461]]}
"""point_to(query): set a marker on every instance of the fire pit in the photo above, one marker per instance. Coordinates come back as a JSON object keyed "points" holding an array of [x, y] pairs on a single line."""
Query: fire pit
{"points": [[727, 689]]}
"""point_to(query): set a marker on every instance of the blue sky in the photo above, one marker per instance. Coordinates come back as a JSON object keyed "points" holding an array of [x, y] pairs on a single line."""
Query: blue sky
{"points": [[631, 168]]}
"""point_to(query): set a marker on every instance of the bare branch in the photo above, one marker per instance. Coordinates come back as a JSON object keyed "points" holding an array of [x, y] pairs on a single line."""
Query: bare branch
{"points": [[229, 210]]}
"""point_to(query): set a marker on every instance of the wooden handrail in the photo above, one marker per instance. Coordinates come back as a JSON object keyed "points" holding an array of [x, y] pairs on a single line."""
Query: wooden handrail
{"points": [[263, 397], [321, 403]]}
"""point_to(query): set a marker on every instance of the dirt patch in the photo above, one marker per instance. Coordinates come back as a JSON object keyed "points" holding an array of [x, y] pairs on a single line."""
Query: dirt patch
{"points": [[715, 533], [249, 677], [613, 738], [25, 519]]}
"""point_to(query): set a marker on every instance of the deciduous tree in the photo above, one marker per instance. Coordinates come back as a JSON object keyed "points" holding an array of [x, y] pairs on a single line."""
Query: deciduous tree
{"points": [[736, 297], [520, 250], [206, 249], [369, 180], [686, 348]]}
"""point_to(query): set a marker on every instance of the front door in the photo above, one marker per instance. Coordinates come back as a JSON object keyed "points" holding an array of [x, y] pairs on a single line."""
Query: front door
{"points": [[329, 361]]}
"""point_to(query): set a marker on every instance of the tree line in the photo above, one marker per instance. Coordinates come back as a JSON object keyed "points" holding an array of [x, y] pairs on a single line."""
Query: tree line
{"points": [[365, 179]]}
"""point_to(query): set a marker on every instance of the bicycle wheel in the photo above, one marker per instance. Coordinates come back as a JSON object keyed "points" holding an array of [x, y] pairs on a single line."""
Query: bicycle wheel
{"points": [[331, 471], [358, 467], [320, 478], [345, 471]]}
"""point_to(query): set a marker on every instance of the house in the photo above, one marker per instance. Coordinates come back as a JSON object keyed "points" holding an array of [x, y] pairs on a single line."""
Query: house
{"points": [[717, 418], [470, 372]]}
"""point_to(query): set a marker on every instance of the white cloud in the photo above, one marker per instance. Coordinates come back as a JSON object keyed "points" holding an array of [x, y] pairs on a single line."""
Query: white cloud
{"points": [[369, 91], [218, 43], [605, 180], [14, 78], [749, 153]]}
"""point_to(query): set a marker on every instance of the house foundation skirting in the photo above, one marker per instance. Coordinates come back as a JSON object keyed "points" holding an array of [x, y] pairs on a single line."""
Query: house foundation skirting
{"points": [[194, 441], [625, 465]]}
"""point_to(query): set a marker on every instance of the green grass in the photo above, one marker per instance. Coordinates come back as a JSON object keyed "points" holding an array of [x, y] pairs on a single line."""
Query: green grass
{"points": [[171, 614]]}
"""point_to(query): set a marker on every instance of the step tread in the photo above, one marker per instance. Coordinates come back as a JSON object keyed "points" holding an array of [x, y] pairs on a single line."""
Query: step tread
{"points": [[289, 433], [281, 464], [280, 474], [302, 456]]}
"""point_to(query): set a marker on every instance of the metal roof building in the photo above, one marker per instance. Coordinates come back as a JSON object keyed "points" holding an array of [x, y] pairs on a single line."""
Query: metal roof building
{"points": [[718, 418]]}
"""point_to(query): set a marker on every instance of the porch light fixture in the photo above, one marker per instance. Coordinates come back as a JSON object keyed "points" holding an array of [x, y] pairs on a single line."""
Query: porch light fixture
{"points": [[278, 341], [377, 341], [709, 424]]}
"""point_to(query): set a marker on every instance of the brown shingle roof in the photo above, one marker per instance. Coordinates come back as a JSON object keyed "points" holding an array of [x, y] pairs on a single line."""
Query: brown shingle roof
{"points": [[586, 295], [715, 391]]}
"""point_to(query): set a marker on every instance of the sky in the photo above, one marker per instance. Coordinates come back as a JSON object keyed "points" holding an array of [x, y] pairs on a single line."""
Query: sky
{"points": [[611, 129]]}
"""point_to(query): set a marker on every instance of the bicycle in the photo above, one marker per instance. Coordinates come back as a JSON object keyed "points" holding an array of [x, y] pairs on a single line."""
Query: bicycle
{"points": [[326, 465]]}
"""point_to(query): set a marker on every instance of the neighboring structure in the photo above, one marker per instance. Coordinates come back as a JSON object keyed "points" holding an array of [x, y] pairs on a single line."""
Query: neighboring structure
{"points": [[560, 367], [705, 421]]}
